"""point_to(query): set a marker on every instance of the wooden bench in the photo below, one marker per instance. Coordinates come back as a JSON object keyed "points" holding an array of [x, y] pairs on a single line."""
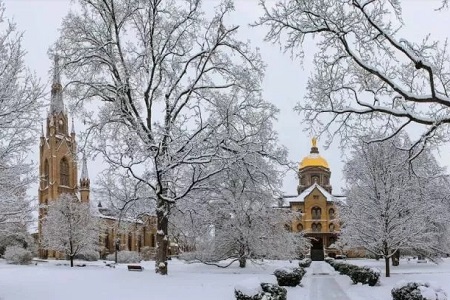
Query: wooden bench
{"points": [[135, 268]]}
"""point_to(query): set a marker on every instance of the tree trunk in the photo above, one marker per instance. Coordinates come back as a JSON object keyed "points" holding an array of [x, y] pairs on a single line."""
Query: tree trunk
{"points": [[71, 261], [388, 272], [242, 262], [396, 258], [162, 240]]}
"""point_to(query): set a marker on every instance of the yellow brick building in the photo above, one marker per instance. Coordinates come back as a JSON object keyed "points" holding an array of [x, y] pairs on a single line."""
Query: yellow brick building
{"points": [[58, 174], [316, 204]]}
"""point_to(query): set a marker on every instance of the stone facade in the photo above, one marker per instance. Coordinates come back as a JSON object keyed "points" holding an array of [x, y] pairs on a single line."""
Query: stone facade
{"points": [[318, 208], [58, 174]]}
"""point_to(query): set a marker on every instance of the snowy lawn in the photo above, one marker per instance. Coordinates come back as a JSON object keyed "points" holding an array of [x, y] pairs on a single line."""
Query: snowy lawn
{"points": [[407, 270], [48, 281]]}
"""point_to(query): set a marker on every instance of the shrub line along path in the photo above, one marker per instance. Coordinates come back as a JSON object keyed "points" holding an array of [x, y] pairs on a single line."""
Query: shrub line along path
{"points": [[322, 283]]}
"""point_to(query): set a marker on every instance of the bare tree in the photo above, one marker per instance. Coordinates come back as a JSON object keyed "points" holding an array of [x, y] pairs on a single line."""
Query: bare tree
{"points": [[393, 205], [69, 227], [19, 108], [365, 74], [159, 69]]}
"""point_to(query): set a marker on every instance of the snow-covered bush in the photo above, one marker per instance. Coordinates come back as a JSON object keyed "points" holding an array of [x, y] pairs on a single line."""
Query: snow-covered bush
{"points": [[418, 290], [344, 268], [88, 256], [273, 292], [125, 257], [365, 275], [252, 289], [329, 260], [305, 263], [17, 255], [289, 277]]}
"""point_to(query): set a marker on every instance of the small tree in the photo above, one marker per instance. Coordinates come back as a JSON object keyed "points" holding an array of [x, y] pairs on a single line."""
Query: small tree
{"points": [[69, 227], [393, 203]]}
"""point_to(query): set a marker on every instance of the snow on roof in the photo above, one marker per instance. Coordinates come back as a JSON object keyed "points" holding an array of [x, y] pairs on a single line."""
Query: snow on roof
{"points": [[287, 200]]}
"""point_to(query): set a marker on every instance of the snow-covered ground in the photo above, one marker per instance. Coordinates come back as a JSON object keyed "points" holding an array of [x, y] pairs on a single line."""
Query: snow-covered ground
{"points": [[51, 280], [48, 281], [407, 270]]}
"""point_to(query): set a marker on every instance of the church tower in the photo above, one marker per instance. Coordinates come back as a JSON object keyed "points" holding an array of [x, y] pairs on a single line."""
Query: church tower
{"points": [[57, 154], [313, 169]]}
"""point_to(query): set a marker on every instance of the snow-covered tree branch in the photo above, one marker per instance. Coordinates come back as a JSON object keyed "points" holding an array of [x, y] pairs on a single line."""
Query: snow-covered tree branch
{"points": [[159, 70], [365, 75], [19, 108]]}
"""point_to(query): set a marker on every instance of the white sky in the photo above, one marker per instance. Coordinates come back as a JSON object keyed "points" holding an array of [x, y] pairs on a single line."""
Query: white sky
{"points": [[285, 80]]}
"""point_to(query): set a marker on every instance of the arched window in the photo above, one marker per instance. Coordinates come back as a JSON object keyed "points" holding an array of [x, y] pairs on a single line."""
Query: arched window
{"points": [[331, 213], [316, 213], [319, 227], [331, 227], [46, 173], [316, 227], [299, 227], [64, 172]]}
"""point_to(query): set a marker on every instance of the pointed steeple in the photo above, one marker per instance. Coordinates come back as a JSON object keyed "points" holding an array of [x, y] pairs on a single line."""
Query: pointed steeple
{"points": [[56, 104], [42, 130], [84, 169]]}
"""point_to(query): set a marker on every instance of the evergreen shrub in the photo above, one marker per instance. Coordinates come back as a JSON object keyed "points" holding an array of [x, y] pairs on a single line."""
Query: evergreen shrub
{"points": [[417, 291], [289, 277], [263, 291], [305, 263]]}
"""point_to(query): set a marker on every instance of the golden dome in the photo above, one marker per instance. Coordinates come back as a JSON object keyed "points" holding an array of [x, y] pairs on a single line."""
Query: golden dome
{"points": [[313, 159]]}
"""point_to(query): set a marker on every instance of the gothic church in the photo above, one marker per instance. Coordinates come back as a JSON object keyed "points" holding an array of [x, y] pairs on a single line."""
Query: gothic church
{"points": [[58, 173]]}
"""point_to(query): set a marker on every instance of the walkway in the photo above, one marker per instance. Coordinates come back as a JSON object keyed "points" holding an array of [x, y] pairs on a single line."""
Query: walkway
{"points": [[322, 284]]}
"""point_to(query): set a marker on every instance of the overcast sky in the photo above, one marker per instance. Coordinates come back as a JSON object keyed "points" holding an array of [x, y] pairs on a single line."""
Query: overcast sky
{"points": [[285, 79]]}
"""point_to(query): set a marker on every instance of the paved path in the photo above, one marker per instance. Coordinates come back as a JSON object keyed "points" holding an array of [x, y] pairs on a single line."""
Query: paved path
{"points": [[323, 285]]}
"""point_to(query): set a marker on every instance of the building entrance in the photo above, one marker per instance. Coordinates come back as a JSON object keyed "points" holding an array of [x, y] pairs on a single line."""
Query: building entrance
{"points": [[317, 253]]}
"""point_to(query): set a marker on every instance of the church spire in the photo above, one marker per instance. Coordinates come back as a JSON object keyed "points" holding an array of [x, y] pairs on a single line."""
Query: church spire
{"points": [[56, 104], [84, 169]]}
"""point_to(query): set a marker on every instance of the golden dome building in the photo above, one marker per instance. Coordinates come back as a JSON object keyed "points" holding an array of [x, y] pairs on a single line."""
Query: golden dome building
{"points": [[317, 205], [313, 169]]}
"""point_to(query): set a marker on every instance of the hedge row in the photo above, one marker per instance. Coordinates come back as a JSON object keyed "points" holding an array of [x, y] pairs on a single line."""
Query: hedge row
{"points": [[364, 275]]}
